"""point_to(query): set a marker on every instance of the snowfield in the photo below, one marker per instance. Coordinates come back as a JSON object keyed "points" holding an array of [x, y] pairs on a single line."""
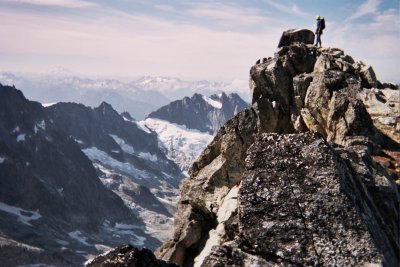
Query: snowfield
{"points": [[181, 144]]}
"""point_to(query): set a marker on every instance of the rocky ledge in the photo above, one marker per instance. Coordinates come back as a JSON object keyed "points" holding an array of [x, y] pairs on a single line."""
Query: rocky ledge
{"points": [[304, 177]]}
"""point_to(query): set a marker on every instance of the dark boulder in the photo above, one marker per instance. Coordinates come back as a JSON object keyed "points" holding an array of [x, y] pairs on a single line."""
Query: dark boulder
{"points": [[293, 36]]}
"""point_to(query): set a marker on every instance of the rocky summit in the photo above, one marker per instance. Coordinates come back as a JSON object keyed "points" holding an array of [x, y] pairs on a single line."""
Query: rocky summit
{"points": [[306, 176]]}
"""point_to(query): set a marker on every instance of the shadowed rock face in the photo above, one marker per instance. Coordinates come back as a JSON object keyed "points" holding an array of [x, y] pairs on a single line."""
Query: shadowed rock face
{"points": [[268, 192], [51, 200]]}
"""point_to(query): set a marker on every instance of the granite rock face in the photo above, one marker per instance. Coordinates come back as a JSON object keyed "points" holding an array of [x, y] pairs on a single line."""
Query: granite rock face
{"points": [[297, 205]]}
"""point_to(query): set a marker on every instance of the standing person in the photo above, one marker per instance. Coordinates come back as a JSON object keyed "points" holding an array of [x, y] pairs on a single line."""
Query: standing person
{"points": [[318, 32]]}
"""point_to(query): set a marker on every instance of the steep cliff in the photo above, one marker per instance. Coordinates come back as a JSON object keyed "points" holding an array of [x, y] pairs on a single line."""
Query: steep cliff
{"points": [[295, 179]]}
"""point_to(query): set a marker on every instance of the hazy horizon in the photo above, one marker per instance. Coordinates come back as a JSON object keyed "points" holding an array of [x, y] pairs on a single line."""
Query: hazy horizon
{"points": [[191, 40]]}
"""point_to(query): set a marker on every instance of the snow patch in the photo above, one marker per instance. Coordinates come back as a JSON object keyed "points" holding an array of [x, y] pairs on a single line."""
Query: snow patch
{"points": [[41, 125], [77, 235], [62, 242], [142, 125], [21, 137], [79, 141], [124, 226], [15, 130], [213, 102], [148, 156], [49, 104], [124, 146], [60, 191], [94, 153], [24, 216]]}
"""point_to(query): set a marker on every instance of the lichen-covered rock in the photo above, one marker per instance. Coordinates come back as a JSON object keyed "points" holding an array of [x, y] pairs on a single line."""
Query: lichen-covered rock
{"points": [[293, 36], [301, 204], [297, 203]]}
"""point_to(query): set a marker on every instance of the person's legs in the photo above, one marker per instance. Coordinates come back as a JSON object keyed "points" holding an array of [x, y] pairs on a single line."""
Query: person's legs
{"points": [[318, 39]]}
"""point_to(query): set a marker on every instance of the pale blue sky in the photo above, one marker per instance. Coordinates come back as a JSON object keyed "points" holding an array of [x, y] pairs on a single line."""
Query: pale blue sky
{"points": [[215, 40]]}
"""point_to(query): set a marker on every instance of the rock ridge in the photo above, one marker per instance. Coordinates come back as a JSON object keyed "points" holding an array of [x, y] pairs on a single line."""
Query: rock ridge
{"points": [[305, 176]]}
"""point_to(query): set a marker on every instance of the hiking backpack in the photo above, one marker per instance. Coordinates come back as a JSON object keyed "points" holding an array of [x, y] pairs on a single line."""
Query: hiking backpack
{"points": [[322, 24]]}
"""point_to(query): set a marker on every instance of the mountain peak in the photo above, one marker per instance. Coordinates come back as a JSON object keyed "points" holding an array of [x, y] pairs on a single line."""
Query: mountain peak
{"points": [[203, 113], [106, 108]]}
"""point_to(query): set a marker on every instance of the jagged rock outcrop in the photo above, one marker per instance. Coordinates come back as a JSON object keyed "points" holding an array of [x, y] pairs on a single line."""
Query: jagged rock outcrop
{"points": [[267, 192], [302, 88]]}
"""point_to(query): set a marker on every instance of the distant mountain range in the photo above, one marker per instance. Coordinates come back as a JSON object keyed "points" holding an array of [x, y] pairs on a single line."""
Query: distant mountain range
{"points": [[138, 97], [175, 88], [91, 92]]}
